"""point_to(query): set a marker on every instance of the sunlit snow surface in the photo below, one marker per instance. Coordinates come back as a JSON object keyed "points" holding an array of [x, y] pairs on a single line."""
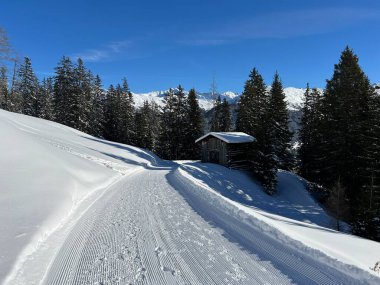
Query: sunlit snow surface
{"points": [[75, 209], [293, 96]]}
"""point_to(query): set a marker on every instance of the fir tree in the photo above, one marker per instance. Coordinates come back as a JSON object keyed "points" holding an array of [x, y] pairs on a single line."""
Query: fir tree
{"points": [[64, 90], [255, 118], [225, 117], [144, 131], [346, 115], [166, 147], [127, 111], [46, 99], [366, 213], [111, 113], [154, 119], [81, 99], [215, 124], [4, 91], [281, 134], [97, 119], [27, 87], [181, 119], [173, 136], [194, 126], [311, 140]]}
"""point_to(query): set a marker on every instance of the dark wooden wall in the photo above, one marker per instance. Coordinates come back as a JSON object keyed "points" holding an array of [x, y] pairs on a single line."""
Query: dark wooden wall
{"points": [[230, 155]]}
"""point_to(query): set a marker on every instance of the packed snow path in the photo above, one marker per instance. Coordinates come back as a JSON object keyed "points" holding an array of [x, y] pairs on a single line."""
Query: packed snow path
{"points": [[153, 228]]}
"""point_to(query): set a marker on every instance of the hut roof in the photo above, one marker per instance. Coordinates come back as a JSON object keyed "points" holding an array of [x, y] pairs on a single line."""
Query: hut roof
{"points": [[229, 137]]}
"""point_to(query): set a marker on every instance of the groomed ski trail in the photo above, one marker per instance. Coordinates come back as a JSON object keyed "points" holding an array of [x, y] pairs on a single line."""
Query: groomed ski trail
{"points": [[153, 227]]}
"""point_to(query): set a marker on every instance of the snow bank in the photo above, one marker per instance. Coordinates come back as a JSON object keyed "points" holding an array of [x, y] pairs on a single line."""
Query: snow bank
{"points": [[46, 171], [348, 253]]}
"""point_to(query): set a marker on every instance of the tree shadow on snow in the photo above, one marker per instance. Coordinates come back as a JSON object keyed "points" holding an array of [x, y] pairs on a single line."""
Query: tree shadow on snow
{"points": [[239, 186]]}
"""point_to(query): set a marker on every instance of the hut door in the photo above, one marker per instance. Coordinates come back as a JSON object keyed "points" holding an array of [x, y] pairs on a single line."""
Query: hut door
{"points": [[214, 156]]}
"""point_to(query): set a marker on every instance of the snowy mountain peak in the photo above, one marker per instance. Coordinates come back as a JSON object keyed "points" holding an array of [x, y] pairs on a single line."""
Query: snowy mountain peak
{"points": [[294, 97]]}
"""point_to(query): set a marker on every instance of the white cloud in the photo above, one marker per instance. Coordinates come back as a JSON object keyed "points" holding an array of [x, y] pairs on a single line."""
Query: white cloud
{"points": [[105, 52]]}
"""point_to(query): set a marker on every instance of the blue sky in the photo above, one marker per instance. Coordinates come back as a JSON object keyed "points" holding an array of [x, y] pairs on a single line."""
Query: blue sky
{"points": [[160, 44]]}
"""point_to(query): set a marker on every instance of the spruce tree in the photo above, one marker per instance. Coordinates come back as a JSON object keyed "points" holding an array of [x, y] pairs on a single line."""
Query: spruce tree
{"points": [[97, 119], [64, 90], [194, 126], [126, 113], [347, 136], [254, 117], [173, 138], [216, 116], [181, 119], [81, 99], [166, 147], [4, 91], [225, 117], [111, 114], [144, 131], [46, 99], [311, 141], [366, 212], [27, 87], [154, 119], [346, 111], [281, 134]]}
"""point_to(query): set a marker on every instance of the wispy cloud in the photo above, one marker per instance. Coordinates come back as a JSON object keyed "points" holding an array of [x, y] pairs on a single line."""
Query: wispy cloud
{"points": [[105, 52], [284, 25]]}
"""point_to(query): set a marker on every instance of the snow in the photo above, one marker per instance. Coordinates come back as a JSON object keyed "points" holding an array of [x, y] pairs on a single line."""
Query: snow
{"points": [[293, 96], [79, 210], [230, 137]]}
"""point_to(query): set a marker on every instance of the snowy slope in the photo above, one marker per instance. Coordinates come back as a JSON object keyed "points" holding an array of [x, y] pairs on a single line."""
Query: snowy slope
{"points": [[294, 98], [79, 210], [46, 171]]}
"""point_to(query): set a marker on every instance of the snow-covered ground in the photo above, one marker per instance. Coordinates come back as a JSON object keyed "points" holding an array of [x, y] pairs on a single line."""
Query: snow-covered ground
{"points": [[75, 209]]}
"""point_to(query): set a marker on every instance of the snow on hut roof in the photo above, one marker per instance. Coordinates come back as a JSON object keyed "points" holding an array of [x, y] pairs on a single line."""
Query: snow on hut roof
{"points": [[230, 137]]}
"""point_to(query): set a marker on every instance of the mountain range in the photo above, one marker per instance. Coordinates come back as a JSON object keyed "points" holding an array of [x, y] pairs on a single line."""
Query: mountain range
{"points": [[294, 98]]}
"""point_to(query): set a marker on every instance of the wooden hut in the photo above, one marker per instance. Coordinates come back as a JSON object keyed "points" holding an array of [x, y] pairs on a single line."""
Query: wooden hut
{"points": [[226, 148]]}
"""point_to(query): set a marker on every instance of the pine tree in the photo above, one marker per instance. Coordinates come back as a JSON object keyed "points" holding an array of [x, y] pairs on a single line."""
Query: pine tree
{"points": [[310, 136], [194, 126], [64, 93], [144, 131], [346, 114], [46, 99], [181, 110], [4, 90], [27, 87], [281, 134], [215, 124], [81, 99], [254, 117], [347, 139], [127, 111], [111, 114], [154, 119], [97, 119], [166, 147], [225, 117], [366, 213]]}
